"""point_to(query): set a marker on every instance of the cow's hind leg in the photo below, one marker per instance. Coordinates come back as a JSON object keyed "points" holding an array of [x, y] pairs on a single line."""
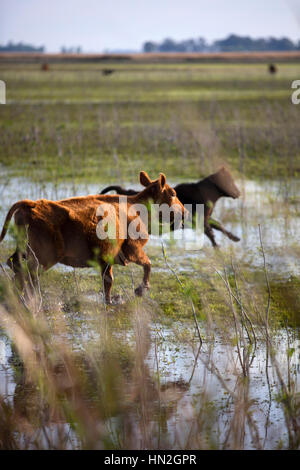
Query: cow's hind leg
{"points": [[15, 263], [218, 226], [25, 267], [107, 276], [35, 251]]}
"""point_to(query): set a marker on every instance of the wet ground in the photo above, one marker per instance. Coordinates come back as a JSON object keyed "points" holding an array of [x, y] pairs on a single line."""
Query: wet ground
{"points": [[276, 207]]}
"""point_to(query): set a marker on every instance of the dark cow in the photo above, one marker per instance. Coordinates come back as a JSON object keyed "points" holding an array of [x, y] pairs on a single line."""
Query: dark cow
{"points": [[207, 192], [272, 69], [107, 72]]}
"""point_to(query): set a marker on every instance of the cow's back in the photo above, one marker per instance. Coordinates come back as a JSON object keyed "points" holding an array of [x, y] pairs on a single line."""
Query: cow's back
{"points": [[187, 193]]}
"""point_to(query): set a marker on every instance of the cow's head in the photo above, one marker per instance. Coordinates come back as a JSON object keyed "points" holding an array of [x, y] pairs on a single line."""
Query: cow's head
{"points": [[225, 183], [161, 193]]}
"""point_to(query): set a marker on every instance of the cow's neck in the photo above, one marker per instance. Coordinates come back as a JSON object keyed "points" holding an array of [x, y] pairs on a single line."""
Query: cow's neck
{"points": [[144, 197]]}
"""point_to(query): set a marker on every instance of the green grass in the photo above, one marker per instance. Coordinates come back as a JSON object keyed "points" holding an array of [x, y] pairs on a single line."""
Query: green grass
{"points": [[167, 301], [73, 123]]}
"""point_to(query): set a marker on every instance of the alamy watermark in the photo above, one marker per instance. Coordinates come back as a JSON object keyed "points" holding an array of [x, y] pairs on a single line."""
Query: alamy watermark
{"points": [[296, 94], [2, 92], [136, 221]]}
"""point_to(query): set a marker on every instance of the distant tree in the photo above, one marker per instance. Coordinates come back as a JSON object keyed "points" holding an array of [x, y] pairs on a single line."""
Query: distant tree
{"points": [[233, 43], [149, 46], [201, 45], [240, 43], [283, 44], [20, 47], [70, 50], [168, 45]]}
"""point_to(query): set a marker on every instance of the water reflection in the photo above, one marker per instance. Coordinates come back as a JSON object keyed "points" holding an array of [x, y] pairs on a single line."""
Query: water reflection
{"points": [[173, 393]]}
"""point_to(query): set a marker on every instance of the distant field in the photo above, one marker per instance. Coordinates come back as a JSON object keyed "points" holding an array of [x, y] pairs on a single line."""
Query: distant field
{"points": [[74, 122], [164, 57]]}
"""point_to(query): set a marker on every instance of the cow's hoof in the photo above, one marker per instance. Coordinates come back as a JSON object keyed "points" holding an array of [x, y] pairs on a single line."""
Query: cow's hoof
{"points": [[140, 290], [118, 300], [234, 238], [115, 300]]}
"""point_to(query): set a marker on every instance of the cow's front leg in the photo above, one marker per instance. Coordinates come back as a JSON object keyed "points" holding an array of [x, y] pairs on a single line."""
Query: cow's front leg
{"points": [[209, 233], [142, 260], [134, 253], [208, 209], [107, 276], [218, 226], [146, 263]]}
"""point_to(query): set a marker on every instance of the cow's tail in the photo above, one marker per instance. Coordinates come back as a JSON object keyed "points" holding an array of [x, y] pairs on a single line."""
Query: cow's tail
{"points": [[118, 189], [10, 213]]}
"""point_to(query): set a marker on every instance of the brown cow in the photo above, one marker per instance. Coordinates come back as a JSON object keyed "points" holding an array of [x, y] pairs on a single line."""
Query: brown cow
{"points": [[207, 192], [65, 232]]}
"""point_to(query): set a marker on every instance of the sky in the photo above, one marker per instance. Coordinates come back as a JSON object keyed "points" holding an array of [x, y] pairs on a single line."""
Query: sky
{"points": [[98, 25]]}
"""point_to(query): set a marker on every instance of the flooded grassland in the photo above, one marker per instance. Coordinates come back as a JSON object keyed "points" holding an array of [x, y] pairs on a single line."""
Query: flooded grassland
{"points": [[209, 359]]}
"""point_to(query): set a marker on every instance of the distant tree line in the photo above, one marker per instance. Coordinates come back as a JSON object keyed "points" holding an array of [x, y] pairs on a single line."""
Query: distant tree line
{"points": [[232, 43], [71, 50], [20, 47]]}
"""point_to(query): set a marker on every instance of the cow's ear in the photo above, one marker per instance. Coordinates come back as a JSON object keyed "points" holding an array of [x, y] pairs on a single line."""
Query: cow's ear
{"points": [[144, 179], [162, 179]]}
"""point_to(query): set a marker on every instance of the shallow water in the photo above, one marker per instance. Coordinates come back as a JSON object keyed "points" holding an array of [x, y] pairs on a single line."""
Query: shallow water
{"points": [[185, 367], [274, 205], [266, 411]]}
